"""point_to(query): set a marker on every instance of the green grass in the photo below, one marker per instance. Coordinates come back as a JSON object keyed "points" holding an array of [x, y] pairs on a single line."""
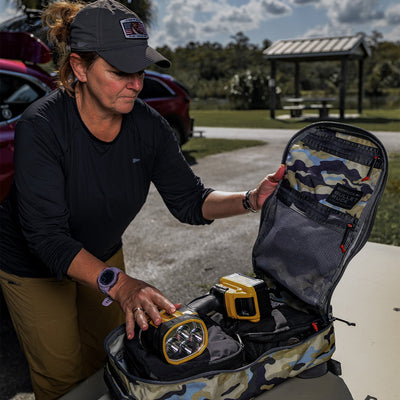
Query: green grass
{"points": [[202, 147], [386, 229], [387, 222], [371, 120]]}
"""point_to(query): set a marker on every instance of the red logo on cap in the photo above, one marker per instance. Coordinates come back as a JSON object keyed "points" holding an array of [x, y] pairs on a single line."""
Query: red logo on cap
{"points": [[133, 28]]}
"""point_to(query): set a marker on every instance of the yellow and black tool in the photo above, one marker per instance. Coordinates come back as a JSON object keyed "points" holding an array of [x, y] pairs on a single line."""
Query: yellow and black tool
{"points": [[183, 335], [237, 296], [180, 337]]}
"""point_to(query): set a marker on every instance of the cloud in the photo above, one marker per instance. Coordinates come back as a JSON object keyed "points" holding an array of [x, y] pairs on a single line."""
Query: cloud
{"points": [[179, 23], [201, 20], [393, 35], [329, 29], [393, 15], [179, 29], [276, 7], [182, 21], [237, 17], [346, 17], [301, 2], [353, 11]]}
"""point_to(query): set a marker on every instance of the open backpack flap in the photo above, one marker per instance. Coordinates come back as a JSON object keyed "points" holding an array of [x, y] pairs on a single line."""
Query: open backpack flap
{"points": [[322, 213], [319, 217]]}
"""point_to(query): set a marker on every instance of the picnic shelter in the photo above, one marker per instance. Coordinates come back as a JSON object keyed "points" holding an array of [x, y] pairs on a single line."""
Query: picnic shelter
{"points": [[340, 48]]}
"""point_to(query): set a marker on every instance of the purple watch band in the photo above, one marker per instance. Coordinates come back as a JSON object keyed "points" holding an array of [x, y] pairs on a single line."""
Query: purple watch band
{"points": [[107, 280]]}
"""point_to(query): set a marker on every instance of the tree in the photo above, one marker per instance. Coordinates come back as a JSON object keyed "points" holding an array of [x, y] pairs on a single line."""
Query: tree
{"points": [[249, 90], [383, 67], [242, 51], [266, 43]]}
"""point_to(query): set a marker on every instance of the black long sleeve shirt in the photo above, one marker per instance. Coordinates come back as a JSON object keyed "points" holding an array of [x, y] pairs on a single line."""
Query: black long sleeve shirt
{"points": [[73, 191]]}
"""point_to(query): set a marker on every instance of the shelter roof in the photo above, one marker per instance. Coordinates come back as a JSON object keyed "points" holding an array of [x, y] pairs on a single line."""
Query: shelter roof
{"points": [[315, 49]]}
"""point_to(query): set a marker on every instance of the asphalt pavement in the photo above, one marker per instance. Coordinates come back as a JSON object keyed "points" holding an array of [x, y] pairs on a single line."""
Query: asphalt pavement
{"points": [[391, 140]]}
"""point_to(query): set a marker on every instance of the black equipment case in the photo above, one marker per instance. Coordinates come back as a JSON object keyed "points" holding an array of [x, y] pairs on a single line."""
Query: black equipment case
{"points": [[316, 221]]}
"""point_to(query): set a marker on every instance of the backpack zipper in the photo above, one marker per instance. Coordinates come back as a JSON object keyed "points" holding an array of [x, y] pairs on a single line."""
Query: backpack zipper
{"points": [[372, 166], [343, 320], [349, 227]]}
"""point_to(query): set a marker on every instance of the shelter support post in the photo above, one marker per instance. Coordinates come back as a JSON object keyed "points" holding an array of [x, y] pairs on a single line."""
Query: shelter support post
{"points": [[360, 85], [343, 80], [297, 79], [272, 90]]}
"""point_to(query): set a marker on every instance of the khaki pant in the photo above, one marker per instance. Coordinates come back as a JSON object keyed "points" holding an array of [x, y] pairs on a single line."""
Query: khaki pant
{"points": [[61, 326]]}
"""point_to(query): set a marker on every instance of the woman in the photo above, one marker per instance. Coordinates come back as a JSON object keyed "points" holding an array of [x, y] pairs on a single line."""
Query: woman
{"points": [[85, 156]]}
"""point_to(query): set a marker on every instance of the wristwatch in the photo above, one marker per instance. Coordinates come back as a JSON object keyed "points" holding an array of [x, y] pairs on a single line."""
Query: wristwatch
{"points": [[107, 280]]}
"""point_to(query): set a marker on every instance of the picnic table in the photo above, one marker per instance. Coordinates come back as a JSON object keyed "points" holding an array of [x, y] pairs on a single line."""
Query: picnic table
{"points": [[298, 104], [296, 107], [322, 104]]}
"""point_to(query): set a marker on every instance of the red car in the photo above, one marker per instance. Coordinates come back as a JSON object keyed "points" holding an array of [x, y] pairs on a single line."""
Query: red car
{"points": [[171, 99], [24, 81]]}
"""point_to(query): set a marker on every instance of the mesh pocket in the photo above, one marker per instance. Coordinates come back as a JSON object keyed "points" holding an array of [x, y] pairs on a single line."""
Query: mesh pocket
{"points": [[300, 253]]}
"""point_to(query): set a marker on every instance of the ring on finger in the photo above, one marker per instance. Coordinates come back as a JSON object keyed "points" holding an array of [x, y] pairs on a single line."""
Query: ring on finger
{"points": [[137, 309]]}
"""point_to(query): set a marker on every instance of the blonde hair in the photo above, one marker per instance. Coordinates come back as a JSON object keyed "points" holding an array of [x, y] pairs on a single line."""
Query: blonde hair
{"points": [[58, 17]]}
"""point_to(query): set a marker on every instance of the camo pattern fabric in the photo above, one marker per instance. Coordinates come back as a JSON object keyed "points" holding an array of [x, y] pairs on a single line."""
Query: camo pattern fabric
{"points": [[315, 167], [271, 369]]}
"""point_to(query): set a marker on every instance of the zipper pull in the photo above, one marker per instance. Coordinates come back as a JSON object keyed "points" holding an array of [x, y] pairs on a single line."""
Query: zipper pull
{"points": [[346, 233], [343, 320], [374, 161]]}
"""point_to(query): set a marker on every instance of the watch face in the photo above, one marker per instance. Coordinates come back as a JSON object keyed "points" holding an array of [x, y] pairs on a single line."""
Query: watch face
{"points": [[107, 277]]}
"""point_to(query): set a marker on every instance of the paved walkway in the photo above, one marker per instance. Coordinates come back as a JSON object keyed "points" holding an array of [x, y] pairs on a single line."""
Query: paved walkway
{"points": [[391, 140]]}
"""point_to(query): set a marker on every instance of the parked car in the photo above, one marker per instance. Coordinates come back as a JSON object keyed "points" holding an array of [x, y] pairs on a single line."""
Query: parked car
{"points": [[24, 79], [171, 99]]}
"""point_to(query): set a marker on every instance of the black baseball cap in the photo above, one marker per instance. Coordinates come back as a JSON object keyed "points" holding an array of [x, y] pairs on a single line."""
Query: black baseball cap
{"points": [[116, 34]]}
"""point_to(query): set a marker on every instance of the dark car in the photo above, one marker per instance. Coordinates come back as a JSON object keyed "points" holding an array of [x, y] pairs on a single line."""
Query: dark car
{"points": [[171, 100], [24, 79]]}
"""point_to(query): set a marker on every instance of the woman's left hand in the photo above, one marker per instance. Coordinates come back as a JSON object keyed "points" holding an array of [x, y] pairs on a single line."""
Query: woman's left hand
{"points": [[266, 187]]}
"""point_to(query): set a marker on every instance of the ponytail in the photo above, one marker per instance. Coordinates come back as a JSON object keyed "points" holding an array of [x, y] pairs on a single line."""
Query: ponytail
{"points": [[58, 17]]}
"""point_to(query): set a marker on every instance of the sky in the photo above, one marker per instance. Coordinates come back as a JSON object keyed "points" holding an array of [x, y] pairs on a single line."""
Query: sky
{"points": [[181, 21], [178, 22]]}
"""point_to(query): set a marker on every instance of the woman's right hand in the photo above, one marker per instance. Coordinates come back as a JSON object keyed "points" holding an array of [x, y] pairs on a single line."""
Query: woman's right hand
{"points": [[140, 300]]}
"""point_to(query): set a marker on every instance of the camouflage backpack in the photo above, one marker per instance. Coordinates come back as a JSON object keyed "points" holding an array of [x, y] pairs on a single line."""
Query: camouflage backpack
{"points": [[312, 226]]}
